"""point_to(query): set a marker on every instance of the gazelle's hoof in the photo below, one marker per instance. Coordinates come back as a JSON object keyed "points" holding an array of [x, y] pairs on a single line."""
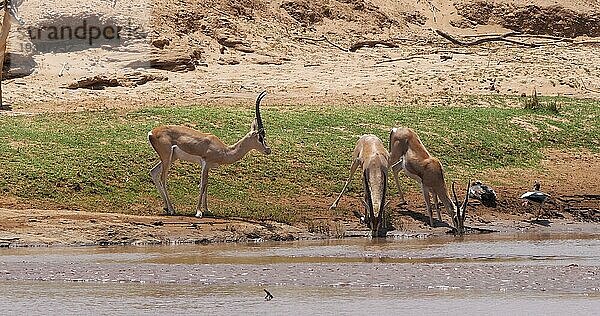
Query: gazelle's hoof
{"points": [[198, 214], [333, 207], [169, 212]]}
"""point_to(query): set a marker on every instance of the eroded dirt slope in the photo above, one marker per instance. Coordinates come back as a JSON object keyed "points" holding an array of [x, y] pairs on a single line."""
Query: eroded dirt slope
{"points": [[227, 50]]}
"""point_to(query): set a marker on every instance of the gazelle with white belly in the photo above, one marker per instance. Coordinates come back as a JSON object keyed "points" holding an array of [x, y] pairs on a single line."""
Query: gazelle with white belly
{"points": [[172, 142]]}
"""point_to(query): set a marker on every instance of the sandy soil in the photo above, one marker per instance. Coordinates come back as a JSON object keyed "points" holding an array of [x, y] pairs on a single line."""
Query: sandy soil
{"points": [[277, 54], [240, 47]]}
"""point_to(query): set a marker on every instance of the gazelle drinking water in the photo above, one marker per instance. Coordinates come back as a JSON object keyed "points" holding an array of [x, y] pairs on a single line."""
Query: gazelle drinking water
{"points": [[373, 159], [172, 142], [408, 153]]}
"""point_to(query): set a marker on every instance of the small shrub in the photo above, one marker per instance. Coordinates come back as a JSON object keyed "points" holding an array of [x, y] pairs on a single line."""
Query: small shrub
{"points": [[533, 103], [553, 106]]}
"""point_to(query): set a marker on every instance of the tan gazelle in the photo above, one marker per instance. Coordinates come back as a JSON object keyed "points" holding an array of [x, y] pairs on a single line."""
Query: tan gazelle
{"points": [[407, 153], [173, 142], [372, 157]]}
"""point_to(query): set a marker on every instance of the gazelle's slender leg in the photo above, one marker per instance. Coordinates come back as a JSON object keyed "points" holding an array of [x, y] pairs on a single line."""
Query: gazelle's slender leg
{"points": [[166, 165], [202, 199], [353, 167], [427, 198], [446, 201], [395, 170], [200, 195], [155, 175], [205, 191], [437, 206]]}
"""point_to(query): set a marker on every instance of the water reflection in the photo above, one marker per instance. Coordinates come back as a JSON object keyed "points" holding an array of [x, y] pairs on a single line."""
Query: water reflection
{"points": [[482, 248]]}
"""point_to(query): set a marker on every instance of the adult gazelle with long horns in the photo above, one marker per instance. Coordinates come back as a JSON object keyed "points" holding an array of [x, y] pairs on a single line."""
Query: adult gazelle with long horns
{"points": [[407, 153], [172, 142]]}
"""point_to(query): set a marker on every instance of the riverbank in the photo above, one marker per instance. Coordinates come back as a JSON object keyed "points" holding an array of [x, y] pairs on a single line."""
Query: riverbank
{"points": [[41, 228], [96, 163]]}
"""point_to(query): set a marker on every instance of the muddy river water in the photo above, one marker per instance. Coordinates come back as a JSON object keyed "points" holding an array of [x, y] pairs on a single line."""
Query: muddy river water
{"points": [[549, 274]]}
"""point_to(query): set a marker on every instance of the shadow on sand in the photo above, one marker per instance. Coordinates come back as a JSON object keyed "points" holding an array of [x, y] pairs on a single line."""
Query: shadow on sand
{"points": [[417, 216], [541, 222]]}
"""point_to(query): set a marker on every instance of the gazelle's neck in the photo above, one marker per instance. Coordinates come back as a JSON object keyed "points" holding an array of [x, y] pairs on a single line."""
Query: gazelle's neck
{"points": [[238, 150], [417, 147]]}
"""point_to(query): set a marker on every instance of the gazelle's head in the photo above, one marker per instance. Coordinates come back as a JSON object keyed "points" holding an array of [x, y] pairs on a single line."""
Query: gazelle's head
{"points": [[460, 211], [375, 185], [375, 222], [257, 129]]}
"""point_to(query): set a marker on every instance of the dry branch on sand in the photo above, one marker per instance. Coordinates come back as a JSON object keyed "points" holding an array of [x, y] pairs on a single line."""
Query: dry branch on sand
{"points": [[371, 43], [481, 39], [494, 37], [583, 85], [401, 59], [354, 47], [500, 38]]}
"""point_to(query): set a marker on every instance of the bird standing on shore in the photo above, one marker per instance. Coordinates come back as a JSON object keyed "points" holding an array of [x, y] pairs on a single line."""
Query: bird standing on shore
{"points": [[536, 196], [483, 193]]}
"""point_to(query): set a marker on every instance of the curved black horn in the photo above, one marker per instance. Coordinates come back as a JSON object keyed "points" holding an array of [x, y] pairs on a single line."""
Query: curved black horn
{"points": [[258, 118], [454, 194], [467, 195]]}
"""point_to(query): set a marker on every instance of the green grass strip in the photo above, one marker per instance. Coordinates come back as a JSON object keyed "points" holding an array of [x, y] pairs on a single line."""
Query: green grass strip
{"points": [[99, 161]]}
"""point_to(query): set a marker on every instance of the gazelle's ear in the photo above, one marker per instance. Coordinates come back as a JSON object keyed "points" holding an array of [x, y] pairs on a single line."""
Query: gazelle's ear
{"points": [[254, 126]]}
